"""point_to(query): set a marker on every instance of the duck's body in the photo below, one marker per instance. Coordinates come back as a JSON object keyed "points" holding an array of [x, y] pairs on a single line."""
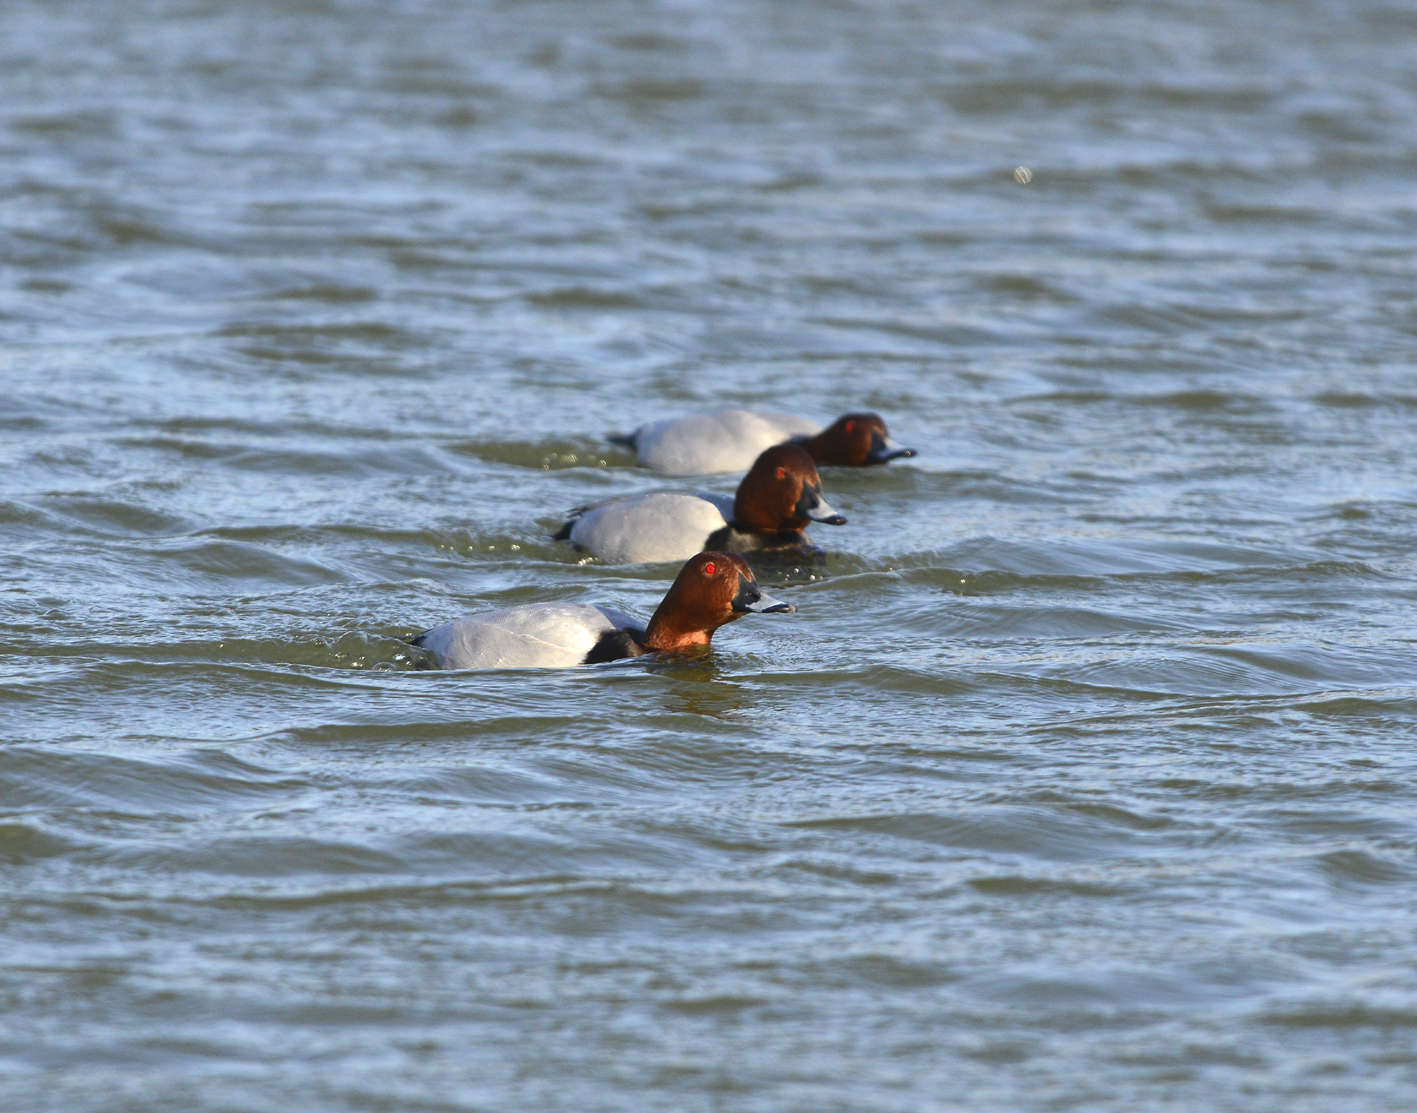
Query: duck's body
{"points": [[774, 504], [539, 635], [730, 440], [642, 529], [711, 589], [707, 444]]}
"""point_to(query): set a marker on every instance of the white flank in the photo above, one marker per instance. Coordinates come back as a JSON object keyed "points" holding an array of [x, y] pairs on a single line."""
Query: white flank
{"points": [[722, 441], [646, 529], [539, 635]]}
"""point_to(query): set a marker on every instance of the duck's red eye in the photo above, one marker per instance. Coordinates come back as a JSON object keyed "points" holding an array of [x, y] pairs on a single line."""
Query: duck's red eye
{"points": [[708, 569], [781, 473], [851, 426]]}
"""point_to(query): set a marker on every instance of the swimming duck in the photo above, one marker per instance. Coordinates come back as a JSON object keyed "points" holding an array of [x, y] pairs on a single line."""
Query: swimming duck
{"points": [[712, 589], [778, 499], [729, 440]]}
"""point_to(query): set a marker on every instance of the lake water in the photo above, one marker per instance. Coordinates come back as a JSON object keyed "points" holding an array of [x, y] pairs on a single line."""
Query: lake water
{"points": [[1084, 778]]}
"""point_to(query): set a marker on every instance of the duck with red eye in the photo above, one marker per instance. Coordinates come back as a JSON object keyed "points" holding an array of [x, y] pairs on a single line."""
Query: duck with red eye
{"points": [[729, 440], [711, 590], [775, 503], [853, 441]]}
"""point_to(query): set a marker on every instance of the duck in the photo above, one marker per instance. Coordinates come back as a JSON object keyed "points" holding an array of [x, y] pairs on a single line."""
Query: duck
{"points": [[779, 498], [729, 440], [711, 590]]}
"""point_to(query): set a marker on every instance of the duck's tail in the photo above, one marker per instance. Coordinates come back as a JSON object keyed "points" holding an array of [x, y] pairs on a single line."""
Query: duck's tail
{"points": [[564, 533], [423, 660]]}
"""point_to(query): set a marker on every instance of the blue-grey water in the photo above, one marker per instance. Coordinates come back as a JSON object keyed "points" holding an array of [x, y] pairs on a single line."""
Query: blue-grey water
{"points": [[1084, 778]]}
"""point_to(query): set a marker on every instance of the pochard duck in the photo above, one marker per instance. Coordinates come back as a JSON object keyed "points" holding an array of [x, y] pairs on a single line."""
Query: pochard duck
{"points": [[778, 499], [711, 590], [729, 440]]}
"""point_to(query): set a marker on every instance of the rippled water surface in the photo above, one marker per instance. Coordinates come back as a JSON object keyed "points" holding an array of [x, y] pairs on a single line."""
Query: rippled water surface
{"points": [[1084, 778]]}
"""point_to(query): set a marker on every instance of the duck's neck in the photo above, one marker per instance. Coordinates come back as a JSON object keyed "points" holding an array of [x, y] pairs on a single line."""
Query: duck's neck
{"points": [[665, 635], [818, 447], [731, 538], [836, 449]]}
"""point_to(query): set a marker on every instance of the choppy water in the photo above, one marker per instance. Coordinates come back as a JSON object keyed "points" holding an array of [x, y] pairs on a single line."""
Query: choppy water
{"points": [[1082, 780]]}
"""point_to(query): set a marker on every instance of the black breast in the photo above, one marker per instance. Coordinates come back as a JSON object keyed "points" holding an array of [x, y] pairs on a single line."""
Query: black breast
{"points": [[615, 645], [731, 539]]}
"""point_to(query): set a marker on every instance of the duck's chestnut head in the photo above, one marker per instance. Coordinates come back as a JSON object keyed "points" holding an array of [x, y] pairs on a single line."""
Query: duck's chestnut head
{"points": [[782, 493], [711, 589], [854, 441]]}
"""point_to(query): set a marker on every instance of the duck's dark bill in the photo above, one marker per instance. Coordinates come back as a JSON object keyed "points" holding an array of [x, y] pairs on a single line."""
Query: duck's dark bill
{"points": [[750, 597], [813, 507], [884, 451], [766, 604]]}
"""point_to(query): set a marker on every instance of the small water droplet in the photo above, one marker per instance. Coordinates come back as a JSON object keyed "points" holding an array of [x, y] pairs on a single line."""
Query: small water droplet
{"points": [[1023, 175]]}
